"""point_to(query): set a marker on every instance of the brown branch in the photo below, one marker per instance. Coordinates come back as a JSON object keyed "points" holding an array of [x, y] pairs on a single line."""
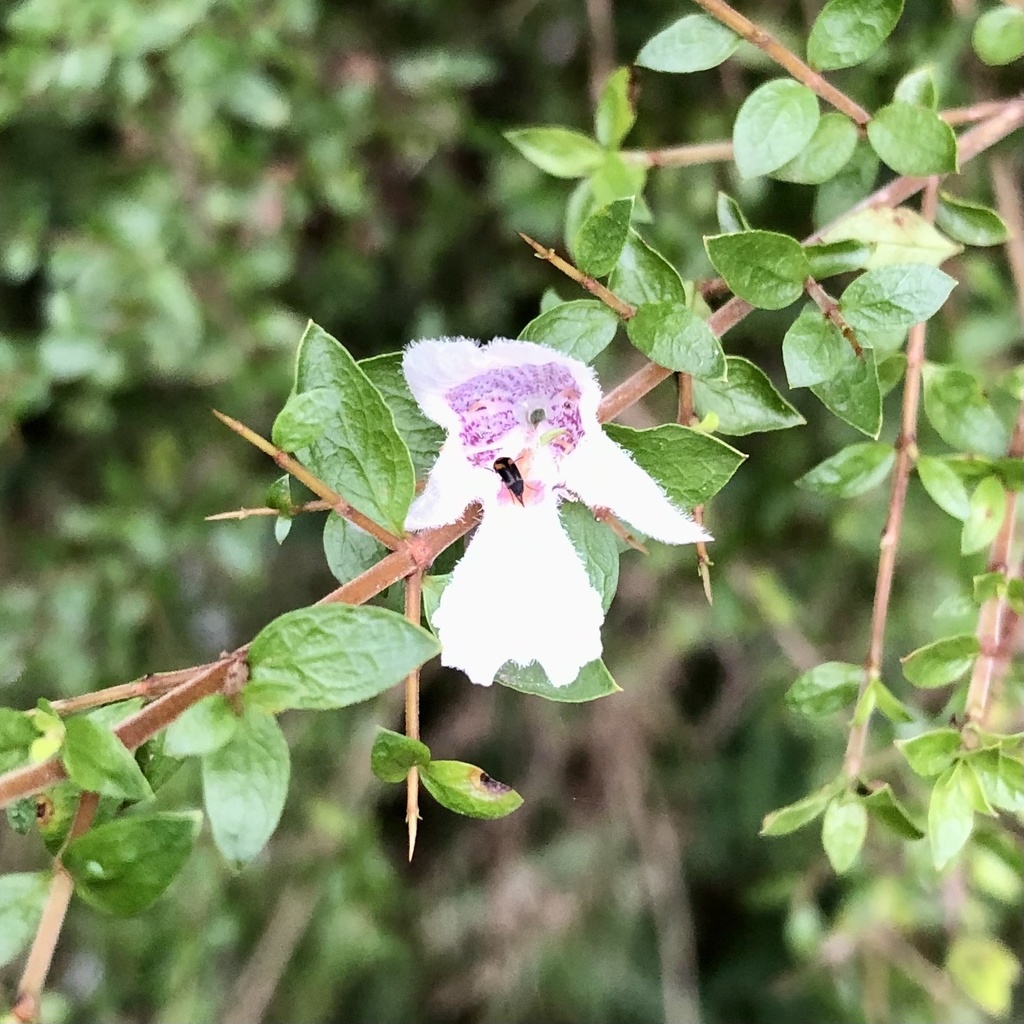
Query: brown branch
{"points": [[40, 956], [334, 500], [974, 112], [995, 611], [744, 27], [413, 601], [680, 156], [830, 308], [610, 299], [906, 456], [687, 416]]}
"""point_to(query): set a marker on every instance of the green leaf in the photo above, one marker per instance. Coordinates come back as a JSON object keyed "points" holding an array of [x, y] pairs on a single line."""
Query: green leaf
{"points": [[333, 655], [843, 831], [305, 418], [813, 349], [831, 258], [825, 688], [123, 866], [882, 805], [433, 588], [896, 296], [942, 661], [944, 487], [348, 549], [981, 965], [21, 905], [361, 455], [887, 703], [602, 236], [847, 32], [853, 394], [16, 730], [422, 437], [694, 43], [394, 754], [950, 816], [998, 36], [852, 471], [961, 414], [731, 217], [890, 372], [672, 335], [204, 727], [763, 267], [644, 275], [913, 140], [825, 155], [617, 179], [593, 681], [918, 87], [558, 151], [793, 816], [746, 402], [985, 516], [990, 586], [932, 752], [279, 496], [898, 235], [465, 789], [615, 111], [596, 545], [970, 223], [245, 783], [776, 121], [97, 761], [691, 466], [582, 328], [1001, 777]]}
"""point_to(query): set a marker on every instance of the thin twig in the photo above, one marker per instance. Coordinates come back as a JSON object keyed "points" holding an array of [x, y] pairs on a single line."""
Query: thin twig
{"points": [[830, 308], [995, 611], [680, 156], [413, 601], [974, 112], [687, 416], [265, 510], [40, 956], [334, 500], [906, 456], [610, 299], [744, 27], [602, 44]]}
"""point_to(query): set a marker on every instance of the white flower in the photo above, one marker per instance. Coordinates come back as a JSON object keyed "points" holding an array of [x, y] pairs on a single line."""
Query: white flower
{"points": [[520, 593]]}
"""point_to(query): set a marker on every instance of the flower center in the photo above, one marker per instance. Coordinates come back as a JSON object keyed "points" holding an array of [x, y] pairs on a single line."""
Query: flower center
{"points": [[526, 405]]}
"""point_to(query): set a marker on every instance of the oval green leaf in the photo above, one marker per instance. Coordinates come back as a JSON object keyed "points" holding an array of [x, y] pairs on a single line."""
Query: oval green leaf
{"points": [[776, 121], [998, 36], [393, 755], [245, 783], [466, 789], [913, 140], [944, 487], [825, 155], [852, 471], [644, 275], [672, 335], [941, 662], [896, 296], [97, 761], [202, 728], [582, 328], [22, 897], [825, 688], [847, 32], [970, 223], [765, 268], [361, 454], [843, 831], [694, 43], [746, 402], [593, 681], [691, 466], [333, 655], [123, 866], [558, 151], [602, 236]]}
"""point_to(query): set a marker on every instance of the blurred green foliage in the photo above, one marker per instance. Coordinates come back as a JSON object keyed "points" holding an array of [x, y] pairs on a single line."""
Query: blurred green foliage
{"points": [[183, 184]]}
